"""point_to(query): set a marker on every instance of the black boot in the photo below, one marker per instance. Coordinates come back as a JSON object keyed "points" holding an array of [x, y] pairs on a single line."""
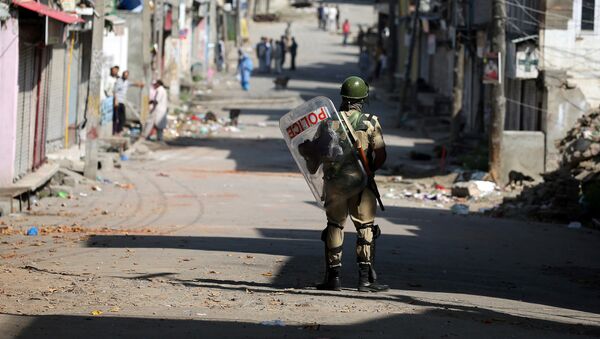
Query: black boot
{"points": [[332, 280], [367, 282]]}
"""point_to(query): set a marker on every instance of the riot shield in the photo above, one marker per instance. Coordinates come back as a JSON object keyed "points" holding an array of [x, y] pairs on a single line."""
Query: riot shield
{"points": [[319, 143]]}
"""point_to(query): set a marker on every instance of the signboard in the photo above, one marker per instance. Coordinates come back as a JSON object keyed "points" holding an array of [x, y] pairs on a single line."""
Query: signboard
{"points": [[527, 59], [492, 69], [55, 32]]}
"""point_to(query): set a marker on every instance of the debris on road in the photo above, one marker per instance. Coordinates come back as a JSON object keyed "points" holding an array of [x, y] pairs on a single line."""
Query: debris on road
{"points": [[33, 231]]}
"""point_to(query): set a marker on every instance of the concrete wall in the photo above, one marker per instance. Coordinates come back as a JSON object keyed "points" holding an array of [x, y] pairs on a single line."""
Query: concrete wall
{"points": [[564, 107], [522, 151], [9, 61]]}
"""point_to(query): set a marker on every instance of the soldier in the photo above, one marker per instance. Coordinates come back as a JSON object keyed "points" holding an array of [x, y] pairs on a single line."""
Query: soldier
{"points": [[362, 206]]}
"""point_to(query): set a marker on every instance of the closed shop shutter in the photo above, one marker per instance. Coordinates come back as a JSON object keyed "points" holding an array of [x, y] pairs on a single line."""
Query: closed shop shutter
{"points": [[25, 110], [56, 99], [41, 122]]}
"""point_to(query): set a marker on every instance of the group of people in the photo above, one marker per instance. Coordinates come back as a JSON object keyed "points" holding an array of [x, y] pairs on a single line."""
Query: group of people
{"points": [[271, 54], [329, 17], [115, 96]]}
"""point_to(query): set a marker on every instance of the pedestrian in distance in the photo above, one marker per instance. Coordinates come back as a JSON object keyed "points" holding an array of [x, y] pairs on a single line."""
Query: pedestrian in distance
{"points": [[120, 93], [325, 17], [159, 106], [293, 53], [320, 14], [346, 31], [244, 69], [364, 63], [268, 54], [331, 15], [361, 207], [261, 51], [283, 46], [277, 55], [108, 97], [337, 17]]}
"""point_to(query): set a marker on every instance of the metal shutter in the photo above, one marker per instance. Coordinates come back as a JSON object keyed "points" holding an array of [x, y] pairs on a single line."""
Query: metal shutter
{"points": [[25, 110], [41, 122], [56, 100]]}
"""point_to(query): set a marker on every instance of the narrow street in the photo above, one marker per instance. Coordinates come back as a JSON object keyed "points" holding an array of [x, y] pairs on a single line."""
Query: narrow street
{"points": [[220, 236]]}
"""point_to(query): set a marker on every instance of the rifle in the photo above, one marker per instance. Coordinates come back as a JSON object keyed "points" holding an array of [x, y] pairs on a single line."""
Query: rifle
{"points": [[362, 156]]}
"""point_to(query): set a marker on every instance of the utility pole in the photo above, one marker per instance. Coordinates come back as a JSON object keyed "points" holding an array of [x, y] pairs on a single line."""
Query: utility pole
{"points": [[93, 100], [498, 103], [147, 35], [393, 5], [409, 60], [459, 78], [159, 26]]}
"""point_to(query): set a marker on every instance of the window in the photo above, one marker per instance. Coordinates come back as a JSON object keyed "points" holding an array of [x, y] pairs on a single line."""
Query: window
{"points": [[588, 8]]}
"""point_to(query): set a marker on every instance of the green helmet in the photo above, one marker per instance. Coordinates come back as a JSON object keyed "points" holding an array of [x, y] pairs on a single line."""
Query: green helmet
{"points": [[354, 88]]}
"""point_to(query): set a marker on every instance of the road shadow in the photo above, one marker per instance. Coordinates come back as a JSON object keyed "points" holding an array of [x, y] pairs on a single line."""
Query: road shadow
{"points": [[425, 250], [439, 321], [272, 155]]}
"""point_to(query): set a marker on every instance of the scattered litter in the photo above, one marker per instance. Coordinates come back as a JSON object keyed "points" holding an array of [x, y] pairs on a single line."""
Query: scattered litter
{"points": [[201, 314], [83, 194], [484, 187], [460, 209], [96, 312], [96, 188], [273, 323], [124, 157], [33, 231], [125, 186], [63, 194], [574, 225], [267, 274]]}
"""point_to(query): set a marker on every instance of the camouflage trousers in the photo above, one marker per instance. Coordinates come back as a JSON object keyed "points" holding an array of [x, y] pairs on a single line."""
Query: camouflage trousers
{"points": [[361, 208]]}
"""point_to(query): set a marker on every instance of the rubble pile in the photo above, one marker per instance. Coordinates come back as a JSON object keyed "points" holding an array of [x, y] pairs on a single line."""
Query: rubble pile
{"points": [[196, 125], [573, 191]]}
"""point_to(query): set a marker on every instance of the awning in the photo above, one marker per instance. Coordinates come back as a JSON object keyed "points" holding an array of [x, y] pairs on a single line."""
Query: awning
{"points": [[47, 11]]}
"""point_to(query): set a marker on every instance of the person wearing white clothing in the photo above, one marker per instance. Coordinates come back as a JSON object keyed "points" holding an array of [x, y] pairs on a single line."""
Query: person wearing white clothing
{"points": [[331, 19], [159, 109]]}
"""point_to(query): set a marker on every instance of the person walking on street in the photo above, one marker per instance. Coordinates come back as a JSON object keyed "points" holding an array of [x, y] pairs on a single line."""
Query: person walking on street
{"points": [[346, 31], [120, 92], [337, 17], [361, 207], [283, 46], [261, 51], [325, 17], [244, 69], [293, 53], [332, 14], [320, 14], [364, 63], [277, 55], [159, 108]]}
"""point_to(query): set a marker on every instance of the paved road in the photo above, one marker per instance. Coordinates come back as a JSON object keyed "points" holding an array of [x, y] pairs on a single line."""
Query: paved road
{"points": [[220, 237]]}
